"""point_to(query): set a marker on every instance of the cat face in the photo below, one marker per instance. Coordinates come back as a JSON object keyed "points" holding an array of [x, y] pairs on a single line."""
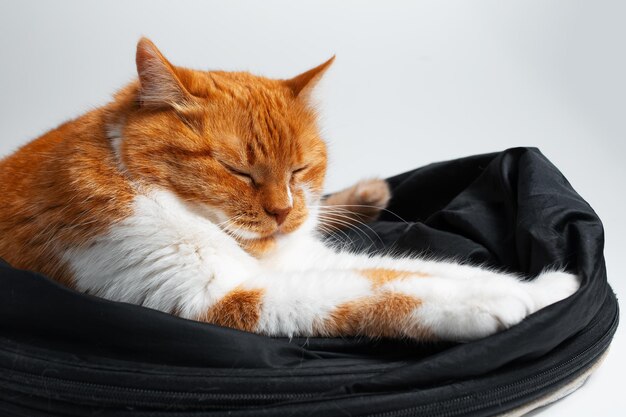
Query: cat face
{"points": [[242, 150]]}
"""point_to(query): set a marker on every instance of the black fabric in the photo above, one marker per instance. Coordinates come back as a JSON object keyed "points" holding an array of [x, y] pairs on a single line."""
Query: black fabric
{"points": [[513, 210]]}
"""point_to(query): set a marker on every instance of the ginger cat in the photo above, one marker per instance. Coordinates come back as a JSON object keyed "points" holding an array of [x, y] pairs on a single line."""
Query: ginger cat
{"points": [[198, 193]]}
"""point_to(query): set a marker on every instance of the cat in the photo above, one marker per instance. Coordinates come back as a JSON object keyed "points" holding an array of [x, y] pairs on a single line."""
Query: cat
{"points": [[199, 193]]}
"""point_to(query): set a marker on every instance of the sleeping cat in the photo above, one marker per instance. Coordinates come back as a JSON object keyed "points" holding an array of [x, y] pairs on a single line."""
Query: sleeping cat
{"points": [[199, 193]]}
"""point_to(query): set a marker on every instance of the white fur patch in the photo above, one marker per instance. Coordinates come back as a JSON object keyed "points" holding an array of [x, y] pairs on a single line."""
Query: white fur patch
{"points": [[164, 256], [295, 302]]}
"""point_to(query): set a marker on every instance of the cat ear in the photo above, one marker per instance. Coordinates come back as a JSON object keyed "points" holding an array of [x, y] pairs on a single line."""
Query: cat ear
{"points": [[301, 85], [159, 85]]}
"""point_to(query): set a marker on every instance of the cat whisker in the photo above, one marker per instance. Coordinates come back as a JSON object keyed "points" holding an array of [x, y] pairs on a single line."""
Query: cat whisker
{"points": [[338, 210], [347, 218], [362, 232], [350, 225], [230, 228], [338, 243], [340, 206], [331, 229]]}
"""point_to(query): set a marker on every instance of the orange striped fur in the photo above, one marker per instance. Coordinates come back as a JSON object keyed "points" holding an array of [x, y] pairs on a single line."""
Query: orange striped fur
{"points": [[384, 315], [238, 309]]}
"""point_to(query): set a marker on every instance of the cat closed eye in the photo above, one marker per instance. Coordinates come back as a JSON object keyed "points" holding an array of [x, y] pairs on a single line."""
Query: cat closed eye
{"points": [[242, 174], [238, 172]]}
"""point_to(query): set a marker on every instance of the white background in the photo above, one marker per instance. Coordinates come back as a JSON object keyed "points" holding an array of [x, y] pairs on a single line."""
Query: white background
{"points": [[414, 82]]}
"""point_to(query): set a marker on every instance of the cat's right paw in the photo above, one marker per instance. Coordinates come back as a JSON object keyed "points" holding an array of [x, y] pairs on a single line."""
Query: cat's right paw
{"points": [[483, 316], [553, 286]]}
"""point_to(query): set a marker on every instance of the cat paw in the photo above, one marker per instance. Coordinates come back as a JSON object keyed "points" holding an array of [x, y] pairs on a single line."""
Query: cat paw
{"points": [[369, 199], [478, 308], [483, 317], [372, 192], [553, 286], [360, 203]]}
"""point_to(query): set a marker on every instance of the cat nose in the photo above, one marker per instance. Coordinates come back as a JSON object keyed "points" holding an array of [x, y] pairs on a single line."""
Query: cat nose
{"points": [[280, 214]]}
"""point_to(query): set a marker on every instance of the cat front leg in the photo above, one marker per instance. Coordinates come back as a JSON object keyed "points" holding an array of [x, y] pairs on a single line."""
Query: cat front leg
{"points": [[384, 304]]}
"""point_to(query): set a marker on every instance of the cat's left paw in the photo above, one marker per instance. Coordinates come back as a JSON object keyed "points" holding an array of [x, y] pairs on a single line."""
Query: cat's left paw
{"points": [[369, 198], [360, 203]]}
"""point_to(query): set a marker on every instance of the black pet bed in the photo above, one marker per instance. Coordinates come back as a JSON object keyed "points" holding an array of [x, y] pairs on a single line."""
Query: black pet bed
{"points": [[68, 354]]}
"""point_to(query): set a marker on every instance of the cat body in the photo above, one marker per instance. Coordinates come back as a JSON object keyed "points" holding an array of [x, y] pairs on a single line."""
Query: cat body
{"points": [[200, 194]]}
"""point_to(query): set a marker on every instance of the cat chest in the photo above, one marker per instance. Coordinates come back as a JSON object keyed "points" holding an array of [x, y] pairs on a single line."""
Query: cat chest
{"points": [[163, 256]]}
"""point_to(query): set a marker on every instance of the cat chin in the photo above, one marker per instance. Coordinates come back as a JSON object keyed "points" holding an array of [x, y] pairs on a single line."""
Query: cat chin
{"points": [[279, 232], [249, 235], [245, 234]]}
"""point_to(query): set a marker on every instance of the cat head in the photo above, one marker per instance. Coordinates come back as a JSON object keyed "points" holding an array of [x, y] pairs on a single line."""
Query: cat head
{"points": [[244, 150]]}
